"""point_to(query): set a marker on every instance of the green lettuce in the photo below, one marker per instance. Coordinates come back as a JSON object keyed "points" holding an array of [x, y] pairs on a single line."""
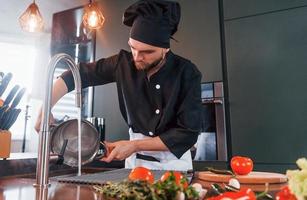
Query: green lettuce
{"points": [[298, 179]]}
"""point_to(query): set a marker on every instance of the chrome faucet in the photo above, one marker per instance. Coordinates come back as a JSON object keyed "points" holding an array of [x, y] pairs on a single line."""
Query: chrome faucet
{"points": [[42, 173]]}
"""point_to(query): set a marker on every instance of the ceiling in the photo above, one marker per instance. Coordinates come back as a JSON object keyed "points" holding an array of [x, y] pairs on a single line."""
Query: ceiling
{"points": [[10, 11]]}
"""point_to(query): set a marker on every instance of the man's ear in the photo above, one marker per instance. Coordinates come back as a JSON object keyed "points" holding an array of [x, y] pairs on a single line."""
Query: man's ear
{"points": [[164, 51]]}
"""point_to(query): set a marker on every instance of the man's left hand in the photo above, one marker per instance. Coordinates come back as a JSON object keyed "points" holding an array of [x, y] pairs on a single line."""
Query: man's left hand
{"points": [[119, 150]]}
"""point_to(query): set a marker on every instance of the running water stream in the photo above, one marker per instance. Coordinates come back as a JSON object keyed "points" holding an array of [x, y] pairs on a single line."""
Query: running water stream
{"points": [[79, 142]]}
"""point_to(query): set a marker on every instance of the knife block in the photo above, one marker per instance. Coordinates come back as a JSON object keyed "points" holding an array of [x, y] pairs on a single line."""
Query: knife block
{"points": [[5, 143]]}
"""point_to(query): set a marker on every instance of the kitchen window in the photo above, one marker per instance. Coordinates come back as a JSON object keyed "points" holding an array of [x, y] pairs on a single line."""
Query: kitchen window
{"points": [[19, 59]]}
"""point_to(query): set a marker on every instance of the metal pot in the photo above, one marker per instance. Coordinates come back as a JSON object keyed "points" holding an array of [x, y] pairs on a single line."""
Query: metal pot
{"points": [[64, 142]]}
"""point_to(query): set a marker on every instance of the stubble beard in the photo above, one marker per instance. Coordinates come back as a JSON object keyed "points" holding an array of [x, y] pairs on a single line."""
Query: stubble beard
{"points": [[147, 66]]}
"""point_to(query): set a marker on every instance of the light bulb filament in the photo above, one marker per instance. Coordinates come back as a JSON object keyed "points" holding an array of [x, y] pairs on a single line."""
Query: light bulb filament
{"points": [[93, 19]]}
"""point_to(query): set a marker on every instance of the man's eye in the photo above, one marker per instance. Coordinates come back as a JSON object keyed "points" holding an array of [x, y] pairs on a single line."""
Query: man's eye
{"points": [[148, 52]]}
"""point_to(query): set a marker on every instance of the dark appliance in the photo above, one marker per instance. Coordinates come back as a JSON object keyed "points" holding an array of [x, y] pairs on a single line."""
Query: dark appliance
{"points": [[211, 143]]}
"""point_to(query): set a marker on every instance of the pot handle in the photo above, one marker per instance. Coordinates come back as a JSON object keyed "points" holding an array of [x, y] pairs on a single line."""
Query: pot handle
{"points": [[59, 159], [102, 151]]}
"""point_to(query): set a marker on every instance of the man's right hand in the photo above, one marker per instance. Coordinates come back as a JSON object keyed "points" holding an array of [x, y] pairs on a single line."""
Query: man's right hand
{"points": [[39, 121]]}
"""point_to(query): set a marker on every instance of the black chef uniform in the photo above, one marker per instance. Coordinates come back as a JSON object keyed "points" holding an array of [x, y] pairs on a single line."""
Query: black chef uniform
{"points": [[167, 105]]}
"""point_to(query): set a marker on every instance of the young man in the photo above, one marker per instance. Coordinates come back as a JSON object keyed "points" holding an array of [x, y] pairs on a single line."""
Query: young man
{"points": [[159, 92]]}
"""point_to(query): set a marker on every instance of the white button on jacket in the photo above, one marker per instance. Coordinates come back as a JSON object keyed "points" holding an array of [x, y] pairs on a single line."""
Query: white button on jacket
{"points": [[157, 111], [150, 133], [157, 86]]}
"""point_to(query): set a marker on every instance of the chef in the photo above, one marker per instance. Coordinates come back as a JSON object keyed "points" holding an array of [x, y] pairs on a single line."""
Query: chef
{"points": [[158, 91]]}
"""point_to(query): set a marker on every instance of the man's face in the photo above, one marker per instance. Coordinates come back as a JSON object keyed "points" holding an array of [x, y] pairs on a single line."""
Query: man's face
{"points": [[146, 56]]}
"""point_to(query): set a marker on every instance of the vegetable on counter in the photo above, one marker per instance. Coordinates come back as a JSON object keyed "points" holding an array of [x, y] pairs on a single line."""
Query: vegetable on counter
{"points": [[242, 194], [139, 186], [298, 179], [233, 191], [141, 174], [241, 165], [220, 171], [180, 180], [285, 194]]}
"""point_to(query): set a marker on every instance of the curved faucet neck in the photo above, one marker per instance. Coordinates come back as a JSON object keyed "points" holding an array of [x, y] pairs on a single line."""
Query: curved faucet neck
{"points": [[42, 178]]}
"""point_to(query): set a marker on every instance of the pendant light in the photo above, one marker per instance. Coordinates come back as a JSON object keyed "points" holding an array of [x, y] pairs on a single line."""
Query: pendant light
{"points": [[31, 20], [92, 17]]}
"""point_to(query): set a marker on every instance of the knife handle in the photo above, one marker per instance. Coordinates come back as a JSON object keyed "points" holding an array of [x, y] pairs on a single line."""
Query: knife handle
{"points": [[11, 95], [5, 81], [13, 119], [18, 97], [1, 77], [5, 118]]}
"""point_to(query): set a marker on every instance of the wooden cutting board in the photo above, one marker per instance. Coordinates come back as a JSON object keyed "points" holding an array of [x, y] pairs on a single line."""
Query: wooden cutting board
{"points": [[251, 178]]}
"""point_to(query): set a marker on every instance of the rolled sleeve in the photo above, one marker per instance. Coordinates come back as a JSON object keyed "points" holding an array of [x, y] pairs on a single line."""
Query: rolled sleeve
{"points": [[97, 73]]}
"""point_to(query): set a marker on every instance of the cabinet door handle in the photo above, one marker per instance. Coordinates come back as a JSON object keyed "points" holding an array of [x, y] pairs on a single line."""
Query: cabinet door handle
{"points": [[212, 101]]}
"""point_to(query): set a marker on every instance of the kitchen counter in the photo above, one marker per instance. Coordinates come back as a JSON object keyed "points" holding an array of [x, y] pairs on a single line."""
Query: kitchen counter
{"points": [[17, 177], [21, 164], [23, 189], [24, 164]]}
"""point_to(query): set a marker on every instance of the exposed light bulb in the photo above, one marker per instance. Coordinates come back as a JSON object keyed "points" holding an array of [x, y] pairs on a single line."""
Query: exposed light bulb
{"points": [[31, 20], [32, 23], [92, 17]]}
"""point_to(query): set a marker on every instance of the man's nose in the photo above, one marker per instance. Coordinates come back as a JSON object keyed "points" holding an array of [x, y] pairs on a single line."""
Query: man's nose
{"points": [[138, 56]]}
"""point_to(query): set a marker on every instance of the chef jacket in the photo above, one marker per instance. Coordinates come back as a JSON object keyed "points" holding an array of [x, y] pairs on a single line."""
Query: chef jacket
{"points": [[168, 104]]}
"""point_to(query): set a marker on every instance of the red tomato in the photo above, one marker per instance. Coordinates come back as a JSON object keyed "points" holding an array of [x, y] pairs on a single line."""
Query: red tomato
{"points": [[241, 165], [244, 193], [179, 178], [141, 173], [285, 194]]}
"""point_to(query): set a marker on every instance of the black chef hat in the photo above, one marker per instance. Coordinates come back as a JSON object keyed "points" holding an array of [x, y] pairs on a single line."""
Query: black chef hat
{"points": [[153, 21]]}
